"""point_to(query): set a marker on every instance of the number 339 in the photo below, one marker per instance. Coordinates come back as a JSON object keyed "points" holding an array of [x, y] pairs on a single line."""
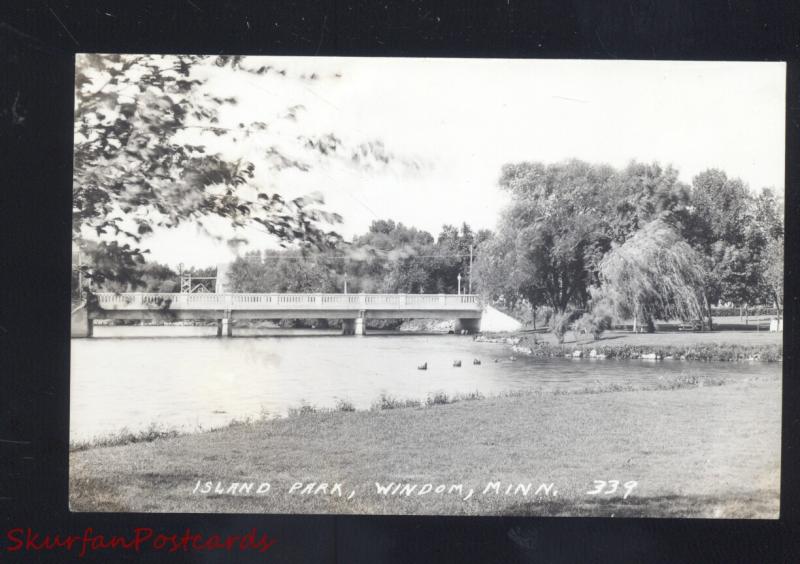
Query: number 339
{"points": [[610, 487]]}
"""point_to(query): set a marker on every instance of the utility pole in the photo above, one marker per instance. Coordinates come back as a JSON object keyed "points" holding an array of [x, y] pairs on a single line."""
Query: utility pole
{"points": [[470, 270]]}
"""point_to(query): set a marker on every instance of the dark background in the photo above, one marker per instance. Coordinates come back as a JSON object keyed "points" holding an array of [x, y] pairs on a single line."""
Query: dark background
{"points": [[37, 42]]}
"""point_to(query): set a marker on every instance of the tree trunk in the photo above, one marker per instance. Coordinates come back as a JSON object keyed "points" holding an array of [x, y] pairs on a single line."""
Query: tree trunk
{"points": [[708, 312], [651, 326]]}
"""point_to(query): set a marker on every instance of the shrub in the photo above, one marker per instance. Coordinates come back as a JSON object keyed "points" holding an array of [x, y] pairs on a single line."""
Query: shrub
{"points": [[439, 398], [344, 405], [562, 322], [559, 325], [690, 380], [388, 402], [593, 323], [304, 409], [471, 396]]}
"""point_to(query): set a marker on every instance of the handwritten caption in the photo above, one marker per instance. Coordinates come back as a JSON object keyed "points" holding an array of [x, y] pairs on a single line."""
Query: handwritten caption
{"points": [[406, 489], [611, 487]]}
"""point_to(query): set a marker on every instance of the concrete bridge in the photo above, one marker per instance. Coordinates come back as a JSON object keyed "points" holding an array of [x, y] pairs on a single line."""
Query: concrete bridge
{"points": [[224, 308]]}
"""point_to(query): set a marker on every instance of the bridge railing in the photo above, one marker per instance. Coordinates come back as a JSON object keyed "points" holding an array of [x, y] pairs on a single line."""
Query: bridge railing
{"points": [[187, 301]]}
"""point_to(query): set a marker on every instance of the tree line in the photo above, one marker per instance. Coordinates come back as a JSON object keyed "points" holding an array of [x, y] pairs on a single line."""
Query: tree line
{"points": [[579, 243], [389, 258], [577, 238], [589, 242]]}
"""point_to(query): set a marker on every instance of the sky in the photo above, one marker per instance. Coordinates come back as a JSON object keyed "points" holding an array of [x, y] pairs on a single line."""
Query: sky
{"points": [[452, 123]]}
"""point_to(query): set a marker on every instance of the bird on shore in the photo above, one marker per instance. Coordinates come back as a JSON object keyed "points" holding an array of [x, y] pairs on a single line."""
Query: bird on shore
{"points": [[476, 361], [457, 363], [423, 366]]}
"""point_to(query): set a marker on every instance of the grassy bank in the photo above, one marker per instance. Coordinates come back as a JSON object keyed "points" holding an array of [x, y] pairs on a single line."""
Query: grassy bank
{"points": [[710, 346], [694, 449]]}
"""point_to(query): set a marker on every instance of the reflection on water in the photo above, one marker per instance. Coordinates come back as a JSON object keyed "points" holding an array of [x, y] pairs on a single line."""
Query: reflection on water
{"points": [[188, 383]]}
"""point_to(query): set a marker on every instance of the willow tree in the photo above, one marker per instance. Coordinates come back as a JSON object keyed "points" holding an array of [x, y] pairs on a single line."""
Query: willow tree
{"points": [[655, 274]]}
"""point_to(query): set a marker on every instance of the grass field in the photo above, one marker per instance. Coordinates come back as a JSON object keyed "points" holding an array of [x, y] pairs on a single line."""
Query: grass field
{"points": [[696, 451]]}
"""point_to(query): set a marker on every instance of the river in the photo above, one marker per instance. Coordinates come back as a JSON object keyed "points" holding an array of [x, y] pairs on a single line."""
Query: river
{"points": [[184, 378]]}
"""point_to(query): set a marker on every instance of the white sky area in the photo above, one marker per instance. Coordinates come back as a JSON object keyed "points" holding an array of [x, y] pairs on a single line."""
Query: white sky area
{"points": [[464, 119]]}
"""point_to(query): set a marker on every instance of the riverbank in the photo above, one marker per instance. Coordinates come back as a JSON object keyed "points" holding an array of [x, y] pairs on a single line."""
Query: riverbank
{"points": [[706, 451], [709, 346]]}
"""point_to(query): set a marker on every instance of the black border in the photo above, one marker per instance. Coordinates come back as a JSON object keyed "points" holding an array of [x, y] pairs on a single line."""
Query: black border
{"points": [[37, 42]]}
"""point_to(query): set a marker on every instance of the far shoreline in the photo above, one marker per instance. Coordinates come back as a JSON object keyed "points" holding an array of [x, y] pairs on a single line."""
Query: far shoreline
{"points": [[717, 346]]}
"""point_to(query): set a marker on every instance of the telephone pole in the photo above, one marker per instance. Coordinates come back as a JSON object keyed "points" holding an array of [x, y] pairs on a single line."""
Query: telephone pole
{"points": [[470, 270]]}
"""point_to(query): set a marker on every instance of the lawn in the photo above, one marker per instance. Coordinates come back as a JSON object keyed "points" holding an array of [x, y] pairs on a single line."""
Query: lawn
{"points": [[697, 451]]}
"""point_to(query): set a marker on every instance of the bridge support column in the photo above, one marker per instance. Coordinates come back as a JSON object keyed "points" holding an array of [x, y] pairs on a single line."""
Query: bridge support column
{"points": [[227, 324], [469, 325], [361, 324], [81, 325]]}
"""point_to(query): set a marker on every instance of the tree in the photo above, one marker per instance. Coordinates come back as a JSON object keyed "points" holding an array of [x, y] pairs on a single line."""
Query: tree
{"points": [[141, 162], [552, 235], [720, 206], [492, 271], [390, 257], [773, 271], [732, 229], [644, 193], [715, 228], [451, 260], [768, 215], [282, 271], [248, 273], [655, 274]]}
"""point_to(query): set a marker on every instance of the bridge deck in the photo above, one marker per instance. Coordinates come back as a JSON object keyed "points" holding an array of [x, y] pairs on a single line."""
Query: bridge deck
{"points": [[225, 309], [285, 302]]}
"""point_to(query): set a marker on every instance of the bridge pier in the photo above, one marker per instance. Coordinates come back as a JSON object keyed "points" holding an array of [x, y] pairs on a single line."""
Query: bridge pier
{"points": [[361, 323], [81, 325], [225, 325], [357, 326]]}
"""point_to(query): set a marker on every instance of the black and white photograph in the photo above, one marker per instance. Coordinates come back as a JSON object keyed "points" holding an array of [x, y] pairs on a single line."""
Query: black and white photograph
{"points": [[427, 286]]}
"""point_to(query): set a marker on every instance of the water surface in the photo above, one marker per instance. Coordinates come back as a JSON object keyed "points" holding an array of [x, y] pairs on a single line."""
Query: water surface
{"points": [[175, 378]]}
